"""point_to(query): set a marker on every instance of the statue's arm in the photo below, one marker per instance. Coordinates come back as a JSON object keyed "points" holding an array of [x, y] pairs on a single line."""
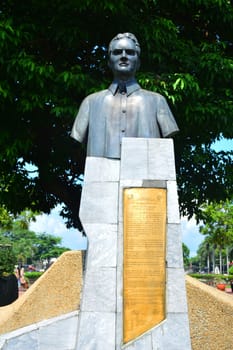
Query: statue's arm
{"points": [[165, 118], [81, 122]]}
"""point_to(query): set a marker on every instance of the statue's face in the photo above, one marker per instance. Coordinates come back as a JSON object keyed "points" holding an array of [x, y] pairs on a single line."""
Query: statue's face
{"points": [[123, 59]]}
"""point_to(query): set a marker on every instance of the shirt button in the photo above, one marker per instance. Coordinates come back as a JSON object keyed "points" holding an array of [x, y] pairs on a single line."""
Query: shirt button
{"points": [[123, 111], [122, 130]]}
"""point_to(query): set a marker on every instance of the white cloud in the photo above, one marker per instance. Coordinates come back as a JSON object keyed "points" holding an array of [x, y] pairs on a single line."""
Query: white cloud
{"points": [[190, 234], [53, 224]]}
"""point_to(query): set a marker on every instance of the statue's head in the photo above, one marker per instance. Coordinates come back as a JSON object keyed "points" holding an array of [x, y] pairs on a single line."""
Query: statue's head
{"points": [[124, 56]]}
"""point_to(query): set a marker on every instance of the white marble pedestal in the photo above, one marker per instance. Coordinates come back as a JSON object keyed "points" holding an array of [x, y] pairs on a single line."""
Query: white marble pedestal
{"points": [[144, 163]]}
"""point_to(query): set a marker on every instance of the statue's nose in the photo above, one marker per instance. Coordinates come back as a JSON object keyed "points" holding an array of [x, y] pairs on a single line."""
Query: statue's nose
{"points": [[123, 55]]}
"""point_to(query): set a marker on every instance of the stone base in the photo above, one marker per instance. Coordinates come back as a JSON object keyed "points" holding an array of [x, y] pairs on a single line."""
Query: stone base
{"points": [[144, 163]]}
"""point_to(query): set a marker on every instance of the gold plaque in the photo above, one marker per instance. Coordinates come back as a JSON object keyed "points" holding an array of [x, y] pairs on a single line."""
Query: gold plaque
{"points": [[144, 260]]}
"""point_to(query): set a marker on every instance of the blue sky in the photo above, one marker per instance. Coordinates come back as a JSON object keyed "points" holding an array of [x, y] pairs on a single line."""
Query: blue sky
{"points": [[223, 145], [72, 238], [54, 224]]}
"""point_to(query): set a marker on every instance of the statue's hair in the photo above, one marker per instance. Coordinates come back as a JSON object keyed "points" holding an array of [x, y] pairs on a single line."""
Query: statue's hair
{"points": [[125, 35]]}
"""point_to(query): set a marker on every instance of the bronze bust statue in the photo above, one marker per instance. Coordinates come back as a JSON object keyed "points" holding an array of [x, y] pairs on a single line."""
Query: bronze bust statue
{"points": [[124, 109]]}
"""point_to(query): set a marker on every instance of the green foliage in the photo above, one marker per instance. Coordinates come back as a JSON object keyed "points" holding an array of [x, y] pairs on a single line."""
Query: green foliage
{"points": [[186, 253], [212, 277], [208, 276], [6, 219], [25, 244], [54, 53], [7, 259], [195, 263], [48, 247], [218, 223], [231, 271], [33, 275], [205, 249]]}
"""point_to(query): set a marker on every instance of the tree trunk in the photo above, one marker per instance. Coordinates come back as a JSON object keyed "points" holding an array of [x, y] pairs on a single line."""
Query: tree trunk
{"points": [[220, 260], [227, 257], [213, 259], [208, 263]]}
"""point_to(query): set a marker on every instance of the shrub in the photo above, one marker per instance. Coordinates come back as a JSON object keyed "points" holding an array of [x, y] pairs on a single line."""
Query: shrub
{"points": [[212, 277], [33, 275]]}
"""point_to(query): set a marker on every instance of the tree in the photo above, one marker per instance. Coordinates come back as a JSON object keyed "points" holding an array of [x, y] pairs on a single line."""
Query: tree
{"points": [[48, 247], [26, 245], [218, 225], [186, 252], [195, 263], [54, 53], [206, 255]]}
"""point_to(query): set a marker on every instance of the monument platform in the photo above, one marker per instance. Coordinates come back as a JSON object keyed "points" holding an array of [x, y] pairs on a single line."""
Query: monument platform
{"points": [[134, 294]]}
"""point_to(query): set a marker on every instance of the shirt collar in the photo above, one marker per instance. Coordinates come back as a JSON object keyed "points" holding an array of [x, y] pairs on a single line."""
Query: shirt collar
{"points": [[131, 86]]}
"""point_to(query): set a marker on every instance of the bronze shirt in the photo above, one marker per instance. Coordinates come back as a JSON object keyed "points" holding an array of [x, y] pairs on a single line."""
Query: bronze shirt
{"points": [[109, 115]]}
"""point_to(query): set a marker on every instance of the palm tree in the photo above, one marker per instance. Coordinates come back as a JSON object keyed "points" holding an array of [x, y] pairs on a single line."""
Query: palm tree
{"points": [[218, 226]]}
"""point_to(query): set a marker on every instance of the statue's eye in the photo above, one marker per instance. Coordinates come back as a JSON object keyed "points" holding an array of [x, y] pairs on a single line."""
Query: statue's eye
{"points": [[130, 52], [117, 52]]}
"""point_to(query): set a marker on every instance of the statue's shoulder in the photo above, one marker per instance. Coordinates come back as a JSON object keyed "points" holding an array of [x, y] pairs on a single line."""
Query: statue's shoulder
{"points": [[94, 99], [97, 95], [152, 94]]}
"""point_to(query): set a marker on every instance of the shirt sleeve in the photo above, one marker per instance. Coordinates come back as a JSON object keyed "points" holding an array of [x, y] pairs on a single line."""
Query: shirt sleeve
{"points": [[166, 121], [81, 122]]}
